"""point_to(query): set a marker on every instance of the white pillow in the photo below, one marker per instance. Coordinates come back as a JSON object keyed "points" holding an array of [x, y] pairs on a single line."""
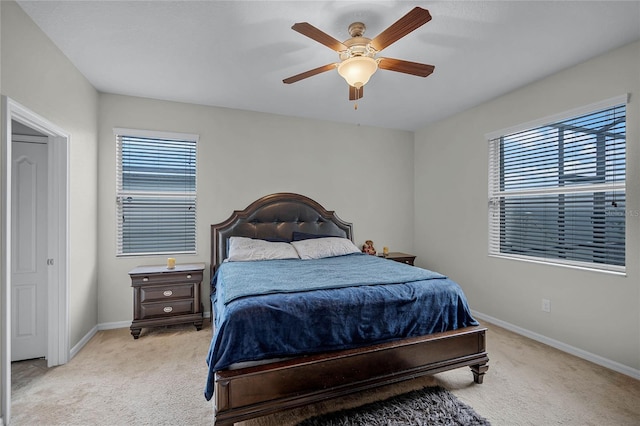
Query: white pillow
{"points": [[317, 248], [245, 249]]}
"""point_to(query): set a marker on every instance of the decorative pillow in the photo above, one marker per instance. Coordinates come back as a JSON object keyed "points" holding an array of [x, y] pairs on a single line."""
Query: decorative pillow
{"points": [[277, 239], [299, 236], [243, 249], [317, 248]]}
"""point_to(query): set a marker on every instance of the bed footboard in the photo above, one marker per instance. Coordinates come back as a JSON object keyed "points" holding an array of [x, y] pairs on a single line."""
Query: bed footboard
{"points": [[257, 391]]}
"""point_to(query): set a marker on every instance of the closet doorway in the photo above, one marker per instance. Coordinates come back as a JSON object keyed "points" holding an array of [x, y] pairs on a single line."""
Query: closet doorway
{"points": [[52, 149]]}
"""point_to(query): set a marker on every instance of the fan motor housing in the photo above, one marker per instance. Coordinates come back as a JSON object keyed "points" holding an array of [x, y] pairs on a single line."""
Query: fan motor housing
{"points": [[357, 29], [358, 46]]}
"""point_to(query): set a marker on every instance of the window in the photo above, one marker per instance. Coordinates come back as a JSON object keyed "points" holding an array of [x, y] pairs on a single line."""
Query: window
{"points": [[557, 189], [156, 192]]}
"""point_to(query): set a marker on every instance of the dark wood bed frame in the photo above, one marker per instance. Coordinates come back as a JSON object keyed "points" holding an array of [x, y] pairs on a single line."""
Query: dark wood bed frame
{"points": [[251, 392]]}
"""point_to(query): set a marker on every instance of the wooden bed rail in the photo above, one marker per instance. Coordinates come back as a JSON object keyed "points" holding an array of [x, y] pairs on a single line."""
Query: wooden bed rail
{"points": [[257, 391]]}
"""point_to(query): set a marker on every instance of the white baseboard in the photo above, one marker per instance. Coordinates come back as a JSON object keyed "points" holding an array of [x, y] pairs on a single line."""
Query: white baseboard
{"points": [[105, 326], [596, 359], [74, 351], [126, 324], [114, 325]]}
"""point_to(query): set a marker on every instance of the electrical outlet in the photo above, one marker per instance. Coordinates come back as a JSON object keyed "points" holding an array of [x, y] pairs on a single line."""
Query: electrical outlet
{"points": [[546, 305]]}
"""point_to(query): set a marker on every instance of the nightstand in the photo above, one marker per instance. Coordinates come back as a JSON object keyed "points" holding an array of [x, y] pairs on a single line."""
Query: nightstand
{"points": [[164, 296], [400, 257]]}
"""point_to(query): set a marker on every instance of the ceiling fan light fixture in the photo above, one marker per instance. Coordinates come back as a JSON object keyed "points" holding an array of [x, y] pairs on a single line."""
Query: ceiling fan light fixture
{"points": [[357, 70]]}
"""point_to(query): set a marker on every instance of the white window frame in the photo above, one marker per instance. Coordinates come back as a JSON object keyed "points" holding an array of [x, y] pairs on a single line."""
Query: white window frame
{"points": [[121, 194], [495, 194]]}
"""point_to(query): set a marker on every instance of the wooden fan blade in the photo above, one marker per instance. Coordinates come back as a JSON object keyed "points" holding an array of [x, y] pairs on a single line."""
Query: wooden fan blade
{"points": [[407, 67], [320, 36], [355, 93], [309, 73], [416, 18]]}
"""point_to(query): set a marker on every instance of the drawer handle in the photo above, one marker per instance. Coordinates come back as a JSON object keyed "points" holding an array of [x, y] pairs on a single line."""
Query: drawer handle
{"points": [[145, 279], [167, 309], [188, 275], [168, 293]]}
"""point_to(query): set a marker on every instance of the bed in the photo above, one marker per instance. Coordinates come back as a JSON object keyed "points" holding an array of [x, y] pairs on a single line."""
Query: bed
{"points": [[243, 385]]}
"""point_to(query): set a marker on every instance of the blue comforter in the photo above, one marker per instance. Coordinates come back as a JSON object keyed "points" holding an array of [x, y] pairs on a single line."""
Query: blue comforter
{"points": [[266, 310], [286, 276]]}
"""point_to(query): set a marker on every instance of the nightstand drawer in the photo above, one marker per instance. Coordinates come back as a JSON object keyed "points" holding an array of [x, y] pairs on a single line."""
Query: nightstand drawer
{"points": [[167, 292], [170, 308], [168, 277]]}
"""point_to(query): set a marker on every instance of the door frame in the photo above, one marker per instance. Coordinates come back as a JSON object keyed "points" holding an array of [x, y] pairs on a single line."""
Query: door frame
{"points": [[58, 242]]}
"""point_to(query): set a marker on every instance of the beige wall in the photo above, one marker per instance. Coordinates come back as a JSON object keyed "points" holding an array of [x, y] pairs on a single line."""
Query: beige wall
{"points": [[592, 311], [365, 174], [38, 76]]}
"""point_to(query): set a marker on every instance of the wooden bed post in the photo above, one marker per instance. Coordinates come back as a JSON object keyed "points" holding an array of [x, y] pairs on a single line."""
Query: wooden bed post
{"points": [[478, 372], [480, 369]]}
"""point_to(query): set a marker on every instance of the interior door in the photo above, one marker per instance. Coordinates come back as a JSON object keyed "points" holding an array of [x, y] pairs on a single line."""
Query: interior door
{"points": [[29, 251]]}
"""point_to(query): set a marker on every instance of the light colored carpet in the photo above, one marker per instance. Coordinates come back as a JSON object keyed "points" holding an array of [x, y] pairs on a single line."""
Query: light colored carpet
{"points": [[159, 378]]}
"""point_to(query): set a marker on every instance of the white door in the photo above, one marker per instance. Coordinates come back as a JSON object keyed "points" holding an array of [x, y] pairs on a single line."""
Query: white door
{"points": [[29, 251]]}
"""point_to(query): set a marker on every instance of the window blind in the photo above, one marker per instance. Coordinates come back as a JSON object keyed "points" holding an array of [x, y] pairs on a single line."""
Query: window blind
{"points": [[557, 191], [156, 192]]}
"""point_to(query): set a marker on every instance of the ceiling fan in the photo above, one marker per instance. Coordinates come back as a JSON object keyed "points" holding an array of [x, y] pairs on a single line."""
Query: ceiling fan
{"points": [[358, 61]]}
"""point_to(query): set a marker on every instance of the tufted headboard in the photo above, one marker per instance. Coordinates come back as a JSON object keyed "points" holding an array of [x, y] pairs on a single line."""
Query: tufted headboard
{"points": [[276, 216]]}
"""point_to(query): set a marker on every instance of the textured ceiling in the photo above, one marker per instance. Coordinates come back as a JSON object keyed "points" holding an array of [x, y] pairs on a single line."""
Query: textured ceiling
{"points": [[235, 53]]}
